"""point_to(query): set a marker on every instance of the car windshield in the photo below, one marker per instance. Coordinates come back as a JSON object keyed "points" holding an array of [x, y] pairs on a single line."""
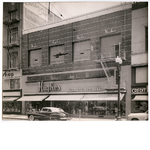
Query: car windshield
{"points": [[60, 110]]}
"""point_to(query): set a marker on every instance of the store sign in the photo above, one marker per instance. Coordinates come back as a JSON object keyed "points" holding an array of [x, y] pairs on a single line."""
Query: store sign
{"points": [[97, 88], [51, 87], [11, 74], [139, 90]]}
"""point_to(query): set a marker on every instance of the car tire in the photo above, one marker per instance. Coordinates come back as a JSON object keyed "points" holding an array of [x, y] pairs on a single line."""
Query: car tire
{"points": [[134, 119], [31, 118]]}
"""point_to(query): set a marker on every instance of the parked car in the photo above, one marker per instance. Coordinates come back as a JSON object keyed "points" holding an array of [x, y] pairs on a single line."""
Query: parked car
{"points": [[49, 113], [138, 116]]}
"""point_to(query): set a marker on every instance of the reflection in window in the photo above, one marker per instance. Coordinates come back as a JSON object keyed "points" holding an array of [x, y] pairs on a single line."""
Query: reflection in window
{"points": [[139, 106]]}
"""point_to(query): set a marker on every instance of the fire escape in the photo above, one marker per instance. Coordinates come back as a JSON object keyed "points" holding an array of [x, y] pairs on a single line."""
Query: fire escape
{"points": [[12, 39]]}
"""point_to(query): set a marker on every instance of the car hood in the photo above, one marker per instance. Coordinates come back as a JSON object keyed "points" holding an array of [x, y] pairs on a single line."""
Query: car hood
{"points": [[137, 114]]}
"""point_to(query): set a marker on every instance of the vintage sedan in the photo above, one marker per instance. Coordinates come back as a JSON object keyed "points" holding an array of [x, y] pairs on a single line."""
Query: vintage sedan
{"points": [[49, 113], [138, 116]]}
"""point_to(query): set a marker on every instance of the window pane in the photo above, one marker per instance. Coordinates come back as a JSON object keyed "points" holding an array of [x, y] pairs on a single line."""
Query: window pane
{"points": [[13, 60], [57, 54], [14, 83], [82, 51], [142, 75], [110, 46], [13, 35], [35, 58]]}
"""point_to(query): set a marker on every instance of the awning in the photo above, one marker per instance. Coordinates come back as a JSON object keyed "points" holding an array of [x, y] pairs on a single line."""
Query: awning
{"points": [[140, 98], [10, 98], [33, 98], [64, 98], [102, 97]]}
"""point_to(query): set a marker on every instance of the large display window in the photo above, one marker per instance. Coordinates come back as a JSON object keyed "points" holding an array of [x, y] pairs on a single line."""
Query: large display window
{"points": [[99, 108], [12, 107], [139, 106]]}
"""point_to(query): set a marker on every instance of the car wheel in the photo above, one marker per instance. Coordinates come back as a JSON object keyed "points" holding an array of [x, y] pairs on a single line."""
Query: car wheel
{"points": [[134, 119], [31, 118]]}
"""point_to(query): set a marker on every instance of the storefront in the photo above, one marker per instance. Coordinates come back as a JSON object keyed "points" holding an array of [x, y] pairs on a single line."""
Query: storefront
{"points": [[11, 92], [139, 99], [10, 103], [91, 97]]}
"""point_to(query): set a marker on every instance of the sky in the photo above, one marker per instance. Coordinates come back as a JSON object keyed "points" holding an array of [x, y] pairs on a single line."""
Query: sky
{"points": [[72, 9]]}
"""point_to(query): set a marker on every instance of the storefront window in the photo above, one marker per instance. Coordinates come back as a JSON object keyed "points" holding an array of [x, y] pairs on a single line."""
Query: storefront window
{"points": [[12, 107], [139, 106], [14, 83]]}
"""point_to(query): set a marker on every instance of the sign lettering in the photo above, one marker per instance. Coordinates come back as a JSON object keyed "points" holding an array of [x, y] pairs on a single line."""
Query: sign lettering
{"points": [[140, 90], [49, 88], [8, 74]]}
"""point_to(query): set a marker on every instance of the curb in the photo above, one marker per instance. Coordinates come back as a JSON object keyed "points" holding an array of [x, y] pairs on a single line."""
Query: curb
{"points": [[13, 118]]}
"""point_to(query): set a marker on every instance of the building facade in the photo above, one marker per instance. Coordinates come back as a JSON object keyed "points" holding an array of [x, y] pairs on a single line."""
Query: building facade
{"points": [[12, 33], [15, 17], [71, 64], [139, 59]]}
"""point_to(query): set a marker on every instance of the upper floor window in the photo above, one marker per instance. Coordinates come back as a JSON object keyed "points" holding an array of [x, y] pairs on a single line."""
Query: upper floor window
{"points": [[146, 38], [14, 35], [110, 46], [13, 60], [13, 14], [141, 75], [57, 54], [14, 83], [35, 58], [81, 50]]}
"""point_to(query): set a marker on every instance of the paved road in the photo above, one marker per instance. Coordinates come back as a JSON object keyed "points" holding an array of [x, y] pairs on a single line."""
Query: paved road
{"points": [[73, 119]]}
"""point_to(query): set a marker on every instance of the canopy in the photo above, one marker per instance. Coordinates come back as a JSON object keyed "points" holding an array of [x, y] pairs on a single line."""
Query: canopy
{"points": [[140, 98], [33, 98], [102, 97], [10, 98], [64, 98]]}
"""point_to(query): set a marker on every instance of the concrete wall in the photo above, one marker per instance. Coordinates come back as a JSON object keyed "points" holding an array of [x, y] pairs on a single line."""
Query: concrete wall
{"points": [[139, 22]]}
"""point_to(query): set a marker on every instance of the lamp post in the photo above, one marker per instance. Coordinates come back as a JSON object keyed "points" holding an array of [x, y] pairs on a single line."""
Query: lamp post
{"points": [[119, 62]]}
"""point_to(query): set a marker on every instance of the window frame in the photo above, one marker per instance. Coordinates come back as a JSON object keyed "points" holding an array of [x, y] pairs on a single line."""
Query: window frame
{"points": [[115, 46], [133, 76], [73, 50], [10, 64], [61, 62], [11, 32], [29, 55]]}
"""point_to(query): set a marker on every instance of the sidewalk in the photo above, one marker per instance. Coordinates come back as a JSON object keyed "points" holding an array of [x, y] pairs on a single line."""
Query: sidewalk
{"points": [[24, 117]]}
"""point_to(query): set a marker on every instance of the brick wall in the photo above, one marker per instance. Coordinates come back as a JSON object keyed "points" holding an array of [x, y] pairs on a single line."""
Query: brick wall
{"points": [[89, 29]]}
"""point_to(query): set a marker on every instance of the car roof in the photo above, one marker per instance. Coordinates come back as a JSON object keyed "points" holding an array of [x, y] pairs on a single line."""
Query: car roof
{"points": [[50, 108]]}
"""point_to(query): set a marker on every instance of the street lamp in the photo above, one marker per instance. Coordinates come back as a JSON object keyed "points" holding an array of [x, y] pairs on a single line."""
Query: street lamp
{"points": [[119, 62]]}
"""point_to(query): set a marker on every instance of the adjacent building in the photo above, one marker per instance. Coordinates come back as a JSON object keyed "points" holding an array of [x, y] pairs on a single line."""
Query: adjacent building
{"points": [[139, 59], [15, 18]]}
